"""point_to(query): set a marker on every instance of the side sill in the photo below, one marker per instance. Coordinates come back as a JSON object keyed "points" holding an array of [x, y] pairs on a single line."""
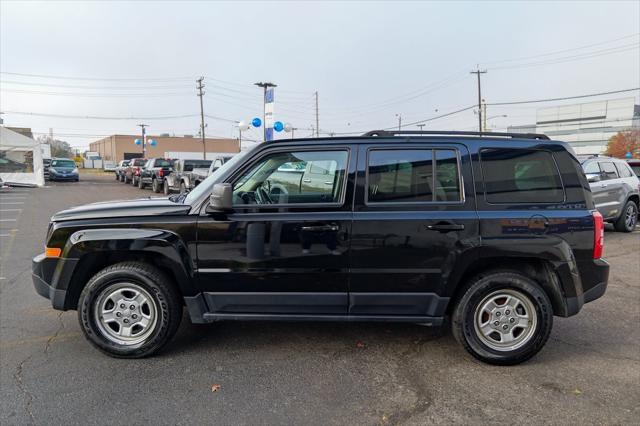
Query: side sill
{"points": [[422, 320]]}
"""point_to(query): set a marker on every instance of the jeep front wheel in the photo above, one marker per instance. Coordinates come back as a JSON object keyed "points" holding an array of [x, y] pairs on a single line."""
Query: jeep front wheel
{"points": [[503, 318], [129, 310]]}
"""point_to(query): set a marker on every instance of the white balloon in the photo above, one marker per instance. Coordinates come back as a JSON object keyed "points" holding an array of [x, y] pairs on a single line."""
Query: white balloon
{"points": [[243, 126], [288, 127]]}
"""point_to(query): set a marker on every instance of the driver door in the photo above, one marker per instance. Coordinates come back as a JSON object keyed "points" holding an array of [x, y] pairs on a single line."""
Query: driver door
{"points": [[284, 250]]}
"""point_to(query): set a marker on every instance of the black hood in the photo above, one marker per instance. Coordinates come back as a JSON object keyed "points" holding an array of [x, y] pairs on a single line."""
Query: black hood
{"points": [[123, 208]]}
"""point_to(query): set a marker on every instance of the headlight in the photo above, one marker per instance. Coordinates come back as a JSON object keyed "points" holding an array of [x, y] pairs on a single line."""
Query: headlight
{"points": [[75, 170], [52, 170]]}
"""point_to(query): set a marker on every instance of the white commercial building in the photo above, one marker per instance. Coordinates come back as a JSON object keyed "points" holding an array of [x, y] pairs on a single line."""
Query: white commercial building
{"points": [[588, 127]]}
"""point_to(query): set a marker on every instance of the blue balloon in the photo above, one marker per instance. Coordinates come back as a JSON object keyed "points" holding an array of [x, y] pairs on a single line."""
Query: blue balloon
{"points": [[153, 142], [256, 122], [137, 142], [278, 126], [628, 155]]}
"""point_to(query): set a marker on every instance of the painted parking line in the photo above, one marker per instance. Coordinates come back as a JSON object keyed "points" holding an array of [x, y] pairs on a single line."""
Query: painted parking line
{"points": [[12, 203], [10, 210], [8, 220]]}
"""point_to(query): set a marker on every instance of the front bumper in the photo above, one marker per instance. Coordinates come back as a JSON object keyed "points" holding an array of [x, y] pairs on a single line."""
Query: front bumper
{"points": [[48, 275], [74, 176]]}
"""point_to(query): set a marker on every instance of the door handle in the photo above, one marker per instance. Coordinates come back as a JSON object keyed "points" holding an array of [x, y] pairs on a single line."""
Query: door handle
{"points": [[320, 228], [329, 182], [445, 227], [306, 180]]}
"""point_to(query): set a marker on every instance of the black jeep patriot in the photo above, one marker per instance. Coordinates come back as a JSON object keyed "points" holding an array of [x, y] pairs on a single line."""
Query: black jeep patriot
{"points": [[496, 233]]}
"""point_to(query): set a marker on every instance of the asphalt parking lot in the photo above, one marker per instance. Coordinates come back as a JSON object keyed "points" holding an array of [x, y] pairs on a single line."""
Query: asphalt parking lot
{"points": [[295, 373]]}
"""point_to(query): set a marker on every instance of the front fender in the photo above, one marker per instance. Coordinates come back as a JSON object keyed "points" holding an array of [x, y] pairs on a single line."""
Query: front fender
{"points": [[167, 248]]}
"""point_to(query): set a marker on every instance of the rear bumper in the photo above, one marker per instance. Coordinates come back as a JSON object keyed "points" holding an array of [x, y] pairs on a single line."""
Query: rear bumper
{"points": [[63, 177], [592, 284]]}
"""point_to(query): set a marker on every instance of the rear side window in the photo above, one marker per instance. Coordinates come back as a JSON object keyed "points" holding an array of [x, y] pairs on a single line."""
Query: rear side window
{"points": [[161, 162], [407, 176], [608, 170], [520, 176], [623, 170]]}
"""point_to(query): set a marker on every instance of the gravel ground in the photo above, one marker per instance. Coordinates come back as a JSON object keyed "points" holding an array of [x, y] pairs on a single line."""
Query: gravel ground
{"points": [[294, 373]]}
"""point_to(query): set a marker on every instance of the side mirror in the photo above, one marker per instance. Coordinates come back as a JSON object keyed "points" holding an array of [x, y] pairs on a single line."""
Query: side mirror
{"points": [[221, 198], [593, 177]]}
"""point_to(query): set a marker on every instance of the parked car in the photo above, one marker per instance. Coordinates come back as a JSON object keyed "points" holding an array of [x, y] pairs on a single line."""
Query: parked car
{"points": [[201, 174], [181, 177], [496, 233], [63, 169], [132, 171], [154, 172], [615, 189], [120, 170], [635, 166]]}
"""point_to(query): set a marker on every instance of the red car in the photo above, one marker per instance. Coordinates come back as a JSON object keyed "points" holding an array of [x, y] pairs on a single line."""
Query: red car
{"points": [[132, 172]]}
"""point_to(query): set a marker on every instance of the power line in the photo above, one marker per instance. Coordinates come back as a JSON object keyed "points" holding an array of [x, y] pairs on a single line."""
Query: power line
{"points": [[95, 95], [564, 98], [39, 114], [562, 51], [57, 77]]}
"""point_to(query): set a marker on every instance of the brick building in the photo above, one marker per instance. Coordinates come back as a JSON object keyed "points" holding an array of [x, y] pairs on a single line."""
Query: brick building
{"points": [[122, 147]]}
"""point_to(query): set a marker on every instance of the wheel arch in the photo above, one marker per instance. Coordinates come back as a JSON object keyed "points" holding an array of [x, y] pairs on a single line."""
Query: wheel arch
{"points": [[161, 249], [539, 270]]}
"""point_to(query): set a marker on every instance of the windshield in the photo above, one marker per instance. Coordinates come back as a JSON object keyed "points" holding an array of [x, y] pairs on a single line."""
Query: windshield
{"points": [[207, 184], [163, 163], [63, 163]]}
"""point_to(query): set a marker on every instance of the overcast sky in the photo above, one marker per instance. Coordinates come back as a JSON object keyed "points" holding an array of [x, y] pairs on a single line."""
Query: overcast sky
{"points": [[368, 61]]}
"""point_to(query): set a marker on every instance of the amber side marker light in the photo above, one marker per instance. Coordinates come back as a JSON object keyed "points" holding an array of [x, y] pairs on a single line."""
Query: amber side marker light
{"points": [[52, 252]]}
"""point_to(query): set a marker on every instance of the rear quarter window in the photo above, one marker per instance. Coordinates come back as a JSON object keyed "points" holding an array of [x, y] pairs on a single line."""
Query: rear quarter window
{"points": [[520, 176]]}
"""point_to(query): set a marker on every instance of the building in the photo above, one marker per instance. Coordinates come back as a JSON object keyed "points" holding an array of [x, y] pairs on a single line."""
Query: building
{"points": [[588, 126], [123, 147]]}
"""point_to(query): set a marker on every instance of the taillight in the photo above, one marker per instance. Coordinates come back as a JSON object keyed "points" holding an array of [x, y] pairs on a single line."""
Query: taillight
{"points": [[161, 173], [598, 235], [137, 172]]}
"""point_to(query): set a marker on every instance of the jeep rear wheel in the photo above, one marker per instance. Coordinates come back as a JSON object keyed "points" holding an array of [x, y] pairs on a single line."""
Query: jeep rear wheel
{"points": [[129, 310], [503, 318], [155, 187], [165, 187], [141, 184], [628, 219]]}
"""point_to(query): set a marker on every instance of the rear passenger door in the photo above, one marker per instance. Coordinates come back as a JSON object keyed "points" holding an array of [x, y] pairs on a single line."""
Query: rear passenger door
{"points": [[612, 188], [414, 218]]}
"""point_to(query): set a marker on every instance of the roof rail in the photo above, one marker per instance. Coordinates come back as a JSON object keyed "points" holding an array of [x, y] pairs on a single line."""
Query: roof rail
{"points": [[454, 133]]}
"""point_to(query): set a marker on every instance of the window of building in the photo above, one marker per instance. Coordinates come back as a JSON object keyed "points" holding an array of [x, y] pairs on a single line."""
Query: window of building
{"points": [[294, 178], [520, 176], [608, 170], [406, 176]]}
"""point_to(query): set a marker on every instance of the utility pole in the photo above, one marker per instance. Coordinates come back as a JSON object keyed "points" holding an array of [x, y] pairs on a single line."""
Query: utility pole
{"points": [[421, 126], [144, 143], [484, 115], [200, 94], [265, 86], [477, 73], [399, 121], [317, 116]]}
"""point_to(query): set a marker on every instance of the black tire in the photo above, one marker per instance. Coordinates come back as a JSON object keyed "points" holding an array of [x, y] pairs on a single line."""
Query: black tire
{"points": [[164, 294], [165, 188], [117, 176], [183, 188], [133, 181], [463, 322], [155, 187], [141, 184], [628, 218]]}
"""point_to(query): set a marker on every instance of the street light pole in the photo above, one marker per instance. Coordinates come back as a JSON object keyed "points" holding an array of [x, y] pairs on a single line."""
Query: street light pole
{"points": [[399, 121], [421, 126]]}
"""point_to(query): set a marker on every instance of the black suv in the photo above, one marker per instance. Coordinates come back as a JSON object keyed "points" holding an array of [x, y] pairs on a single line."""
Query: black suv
{"points": [[496, 233], [154, 172]]}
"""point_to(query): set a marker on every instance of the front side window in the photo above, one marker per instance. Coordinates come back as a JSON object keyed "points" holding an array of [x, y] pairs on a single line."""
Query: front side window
{"points": [[407, 176], [304, 177], [608, 170], [520, 176]]}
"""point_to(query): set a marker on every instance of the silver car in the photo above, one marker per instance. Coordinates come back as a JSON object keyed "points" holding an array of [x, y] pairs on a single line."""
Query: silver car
{"points": [[615, 189]]}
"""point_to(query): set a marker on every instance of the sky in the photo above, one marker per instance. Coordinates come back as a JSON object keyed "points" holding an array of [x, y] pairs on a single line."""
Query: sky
{"points": [[370, 62]]}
